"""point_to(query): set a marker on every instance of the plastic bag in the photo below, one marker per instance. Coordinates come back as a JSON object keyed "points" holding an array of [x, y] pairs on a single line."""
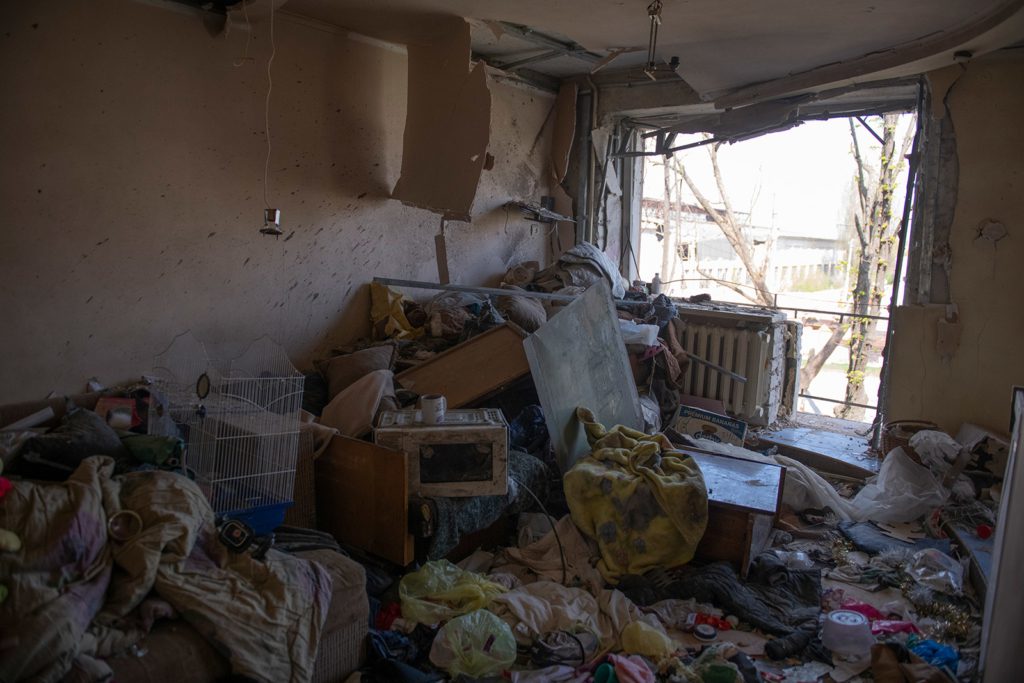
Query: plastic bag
{"points": [[902, 491], [794, 559], [476, 644], [633, 333], [640, 638], [440, 591], [937, 450], [937, 570]]}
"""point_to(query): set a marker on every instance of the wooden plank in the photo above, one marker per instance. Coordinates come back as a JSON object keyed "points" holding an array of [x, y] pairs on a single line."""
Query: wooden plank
{"points": [[734, 536], [362, 493], [578, 359], [826, 451], [472, 369]]}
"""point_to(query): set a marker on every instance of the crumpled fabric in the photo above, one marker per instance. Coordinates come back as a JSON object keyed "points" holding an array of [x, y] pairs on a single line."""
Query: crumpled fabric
{"points": [[544, 606], [631, 669], [69, 604], [558, 673], [581, 266], [774, 598], [544, 559], [644, 502], [457, 516]]}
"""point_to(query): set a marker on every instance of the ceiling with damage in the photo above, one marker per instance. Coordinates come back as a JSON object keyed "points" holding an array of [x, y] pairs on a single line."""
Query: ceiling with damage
{"points": [[727, 50]]}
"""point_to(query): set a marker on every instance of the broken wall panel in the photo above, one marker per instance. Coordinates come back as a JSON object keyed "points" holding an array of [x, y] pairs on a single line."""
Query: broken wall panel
{"points": [[934, 378], [565, 130], [447, 127]]}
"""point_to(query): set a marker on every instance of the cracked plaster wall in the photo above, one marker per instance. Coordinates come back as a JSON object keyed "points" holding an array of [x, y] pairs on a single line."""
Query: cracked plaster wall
{"points": [[970, 381], [132, 188]]}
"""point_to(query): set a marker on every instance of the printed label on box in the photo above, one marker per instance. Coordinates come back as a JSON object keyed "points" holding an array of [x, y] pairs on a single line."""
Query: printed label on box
{"points": [[703, 424]]}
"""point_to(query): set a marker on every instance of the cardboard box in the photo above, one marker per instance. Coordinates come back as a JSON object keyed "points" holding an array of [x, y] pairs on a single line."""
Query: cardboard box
{"points": [[703, 424]]}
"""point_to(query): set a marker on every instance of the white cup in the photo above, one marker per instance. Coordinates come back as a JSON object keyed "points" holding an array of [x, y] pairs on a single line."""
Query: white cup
{"points": [[432, 407]]}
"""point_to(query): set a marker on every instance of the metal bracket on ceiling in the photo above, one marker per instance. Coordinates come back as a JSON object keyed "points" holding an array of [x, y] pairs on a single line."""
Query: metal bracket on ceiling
{"points": [[654, 14]]}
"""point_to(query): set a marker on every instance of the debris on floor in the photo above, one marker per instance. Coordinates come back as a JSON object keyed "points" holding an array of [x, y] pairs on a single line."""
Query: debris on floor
{"points": [[844, 572], [560, 510]]}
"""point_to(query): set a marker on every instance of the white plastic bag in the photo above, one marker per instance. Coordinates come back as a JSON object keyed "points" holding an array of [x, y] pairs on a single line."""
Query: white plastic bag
{"points": [[937, 570], [937, 450], [476, 644], [633, 333], [902, 491]]}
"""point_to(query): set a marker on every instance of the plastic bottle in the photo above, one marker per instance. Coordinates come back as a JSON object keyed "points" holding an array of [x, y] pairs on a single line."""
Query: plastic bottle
{"points": [[656, 284]]}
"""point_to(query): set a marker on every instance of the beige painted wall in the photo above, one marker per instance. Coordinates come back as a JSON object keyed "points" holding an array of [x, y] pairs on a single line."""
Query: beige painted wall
{"points": [[132, 190], [987, 282]]}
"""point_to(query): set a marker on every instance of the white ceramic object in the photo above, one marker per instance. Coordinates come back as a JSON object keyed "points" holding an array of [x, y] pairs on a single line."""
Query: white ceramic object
{"points": [[432, 408], [847, 634]]}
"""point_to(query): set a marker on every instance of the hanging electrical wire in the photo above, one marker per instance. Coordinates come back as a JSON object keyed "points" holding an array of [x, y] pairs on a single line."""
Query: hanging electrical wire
{"points": [[271, 216], [266, 108]]}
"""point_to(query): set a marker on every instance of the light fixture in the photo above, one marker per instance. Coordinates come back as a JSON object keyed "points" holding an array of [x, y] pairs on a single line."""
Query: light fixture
{"points": [[654, 14], [271, 222]]}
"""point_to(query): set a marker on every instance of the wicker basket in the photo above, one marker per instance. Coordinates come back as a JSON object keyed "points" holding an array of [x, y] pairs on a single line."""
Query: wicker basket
{"points": [[897, 434]]}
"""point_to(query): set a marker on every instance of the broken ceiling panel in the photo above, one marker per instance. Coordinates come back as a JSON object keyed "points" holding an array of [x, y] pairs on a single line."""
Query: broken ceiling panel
{"points": [[723, 45]]}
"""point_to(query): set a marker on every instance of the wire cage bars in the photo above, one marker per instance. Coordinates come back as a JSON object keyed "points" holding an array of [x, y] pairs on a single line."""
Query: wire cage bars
{"points": [[240, 420]]}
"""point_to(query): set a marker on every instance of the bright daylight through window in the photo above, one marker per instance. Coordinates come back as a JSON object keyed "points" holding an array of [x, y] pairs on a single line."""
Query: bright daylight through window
{"points": [[805, 220]]}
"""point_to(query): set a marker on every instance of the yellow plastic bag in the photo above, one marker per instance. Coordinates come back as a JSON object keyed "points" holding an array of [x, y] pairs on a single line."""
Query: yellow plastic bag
{"points": [[440, 591], [476, 644], [639, 638], [387, 315]]}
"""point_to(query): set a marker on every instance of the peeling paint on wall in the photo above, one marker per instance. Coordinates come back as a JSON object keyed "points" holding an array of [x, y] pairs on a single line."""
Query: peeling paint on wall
{"points": [[447, 126], [956, 362]]}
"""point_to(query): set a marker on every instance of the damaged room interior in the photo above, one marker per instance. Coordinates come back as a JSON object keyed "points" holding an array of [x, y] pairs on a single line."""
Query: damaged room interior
{"points": [[584, 341]]}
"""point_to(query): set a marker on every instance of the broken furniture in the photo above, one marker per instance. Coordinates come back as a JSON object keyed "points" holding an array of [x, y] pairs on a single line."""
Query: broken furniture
{"points": [[364, 501], [363, 498], [839, 454], [744, 498], [473, 369]]}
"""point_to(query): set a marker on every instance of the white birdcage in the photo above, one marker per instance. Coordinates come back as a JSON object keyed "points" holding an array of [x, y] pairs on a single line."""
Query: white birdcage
{"points": [[240, 420]]}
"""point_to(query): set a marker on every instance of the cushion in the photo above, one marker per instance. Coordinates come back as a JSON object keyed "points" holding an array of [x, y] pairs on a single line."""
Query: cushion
{"points": [[343, 371], [353, 410], [525, 312]]}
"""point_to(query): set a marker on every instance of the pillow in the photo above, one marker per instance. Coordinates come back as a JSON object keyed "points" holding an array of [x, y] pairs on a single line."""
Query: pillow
{"points": [[353, 411], [525, 312], [342, 371]]}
